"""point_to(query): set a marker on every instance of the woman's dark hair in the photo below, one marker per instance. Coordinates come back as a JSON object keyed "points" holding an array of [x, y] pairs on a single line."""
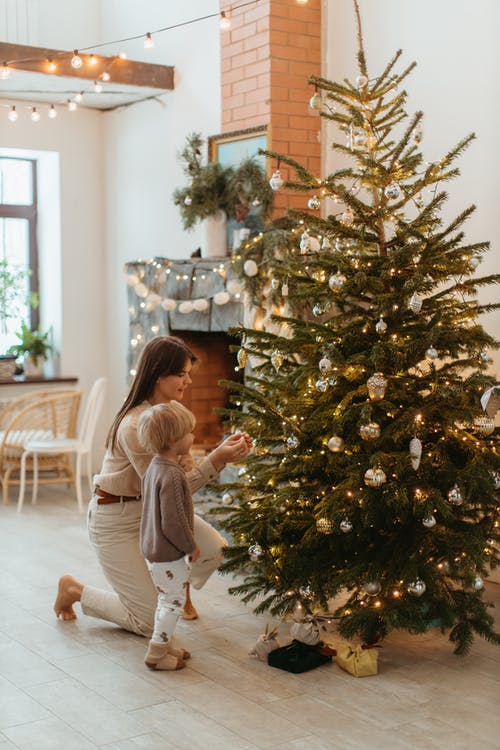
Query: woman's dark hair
{"points": [[163, 355]]}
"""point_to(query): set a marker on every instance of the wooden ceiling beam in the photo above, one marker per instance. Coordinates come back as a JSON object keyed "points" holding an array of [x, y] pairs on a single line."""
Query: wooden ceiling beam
{"points": [[129, 72]]}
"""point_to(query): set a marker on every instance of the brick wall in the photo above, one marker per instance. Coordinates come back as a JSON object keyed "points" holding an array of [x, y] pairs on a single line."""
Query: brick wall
{"points": [[266, 59]]}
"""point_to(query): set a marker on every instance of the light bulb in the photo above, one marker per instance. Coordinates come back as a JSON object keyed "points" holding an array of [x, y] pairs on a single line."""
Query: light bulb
{"points": [[13, 115], [35, 114], [301, 2], [105, 76], [122, 55], [76, 60], [51, 66], [148, 42], [72, 105], [78, 97], [52, 112], [5, 72], [97, 87], [225, 23], [92, 60]]}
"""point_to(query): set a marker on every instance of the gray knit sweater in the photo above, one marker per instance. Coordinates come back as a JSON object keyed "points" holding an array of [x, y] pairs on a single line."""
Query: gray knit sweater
{"points": [[167, 514]]}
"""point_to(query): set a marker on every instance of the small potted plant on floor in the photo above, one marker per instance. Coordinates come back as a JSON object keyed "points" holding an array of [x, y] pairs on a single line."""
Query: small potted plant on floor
{"points": [[35, 346]]}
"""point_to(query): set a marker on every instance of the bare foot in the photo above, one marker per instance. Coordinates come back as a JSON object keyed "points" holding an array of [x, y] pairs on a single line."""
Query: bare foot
{"points": [[69, 591], [189, 612]]}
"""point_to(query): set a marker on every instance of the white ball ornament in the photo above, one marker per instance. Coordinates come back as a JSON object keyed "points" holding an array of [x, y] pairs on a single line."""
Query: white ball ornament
{"points": [[429, 522], [336, 282], [381, 326], [186, 307], [234, 287], [188, 200], [345, 526], [222, 298], [250, 268], [431, 354], [276, 182], [152, 301], [321, 385], [477, 583], [336, 444], [169, 304], [325, 365], [314, 203], [372, 588], [455, 495], [416, 587], [316, 102], [141, 290], [370, 431], [292, 442], [309, 244], [255, 552], [392, 191], [227, 499], [200, 305]]}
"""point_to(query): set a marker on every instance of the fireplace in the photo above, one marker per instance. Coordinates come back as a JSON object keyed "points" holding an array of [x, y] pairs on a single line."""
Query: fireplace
{"points": [[198, 300]]}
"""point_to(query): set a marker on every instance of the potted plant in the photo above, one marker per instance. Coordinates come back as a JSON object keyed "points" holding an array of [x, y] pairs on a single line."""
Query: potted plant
{"points": [[216, 193], [35, 345], [14, 296]]}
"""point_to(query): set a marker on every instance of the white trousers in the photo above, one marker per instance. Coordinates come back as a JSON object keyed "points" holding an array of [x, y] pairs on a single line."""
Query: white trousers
{"points": [[170, 580], [114, 533]]}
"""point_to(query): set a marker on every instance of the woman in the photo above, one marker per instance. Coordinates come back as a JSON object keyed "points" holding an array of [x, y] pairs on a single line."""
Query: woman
{"points": [[114, 514]]}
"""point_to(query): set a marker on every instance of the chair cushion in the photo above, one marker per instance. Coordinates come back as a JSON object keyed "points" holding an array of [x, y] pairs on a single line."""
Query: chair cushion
{"points": [[16, 440]]}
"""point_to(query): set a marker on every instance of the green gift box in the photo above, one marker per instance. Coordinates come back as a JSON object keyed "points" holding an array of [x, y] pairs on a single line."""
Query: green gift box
{"points": [[297, 657]]}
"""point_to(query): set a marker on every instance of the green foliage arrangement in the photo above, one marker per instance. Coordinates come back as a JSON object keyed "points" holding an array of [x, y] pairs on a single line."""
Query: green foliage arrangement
{"points": [[213, 187], [13, 292], [35, 343]]}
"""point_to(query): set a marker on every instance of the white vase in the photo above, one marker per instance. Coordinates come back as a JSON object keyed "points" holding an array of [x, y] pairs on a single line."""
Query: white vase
{"points": [[30, 369], [214, 236]]}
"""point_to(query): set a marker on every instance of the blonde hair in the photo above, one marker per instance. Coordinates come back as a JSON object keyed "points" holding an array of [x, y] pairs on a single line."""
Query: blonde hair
{"points": [[161, 425]]}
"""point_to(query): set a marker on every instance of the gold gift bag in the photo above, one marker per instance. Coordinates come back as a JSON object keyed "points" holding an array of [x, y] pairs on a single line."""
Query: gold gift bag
{"points": [[359, 661]]}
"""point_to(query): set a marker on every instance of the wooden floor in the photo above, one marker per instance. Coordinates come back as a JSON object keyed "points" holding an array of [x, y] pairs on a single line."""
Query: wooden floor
{"points": [[82, 685]]}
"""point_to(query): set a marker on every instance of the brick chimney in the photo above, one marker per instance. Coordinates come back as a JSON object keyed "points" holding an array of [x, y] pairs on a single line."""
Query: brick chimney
{"points": [[267, 57]]}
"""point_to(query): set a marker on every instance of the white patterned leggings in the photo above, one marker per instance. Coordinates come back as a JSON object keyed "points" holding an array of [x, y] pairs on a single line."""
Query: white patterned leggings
{"points": [[170, 580]]}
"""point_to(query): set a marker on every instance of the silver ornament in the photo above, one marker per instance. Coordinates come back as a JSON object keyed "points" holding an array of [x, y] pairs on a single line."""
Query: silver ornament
{"points": [[242, 471], [321, 385], [325, 365], [376, 385], [332, 380], [375, 477], [483, 356], [292, 442], [188, 200], [496, 479], [317, 310], [484, 425], [277, 359], [381, 326], [309, 244], [336, 282], [473, 263], [326, 245], [275, 283], [250, 268], [415, 303], [324, 526], [370, 431], [455, 495], [392, 191], [415, 452], [347, 217], [346, 526], [431, 354], [429, 522], [227, 499], [477, 583], [336, 444], [361, 81], [372, 588], [316, 102], [255, 552], [314, 203], [276, 182], [416, 587], [359, 137], [417, 133]]}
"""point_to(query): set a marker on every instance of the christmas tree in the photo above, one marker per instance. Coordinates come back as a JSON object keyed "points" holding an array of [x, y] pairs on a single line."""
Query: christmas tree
{"points": [[375, 475]]}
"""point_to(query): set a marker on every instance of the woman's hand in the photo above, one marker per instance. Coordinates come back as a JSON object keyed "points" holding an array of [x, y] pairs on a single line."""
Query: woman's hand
{"points": [[234, 448]]}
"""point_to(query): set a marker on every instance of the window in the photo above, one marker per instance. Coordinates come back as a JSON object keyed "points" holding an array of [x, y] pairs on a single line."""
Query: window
{"points": [[18, 245]]}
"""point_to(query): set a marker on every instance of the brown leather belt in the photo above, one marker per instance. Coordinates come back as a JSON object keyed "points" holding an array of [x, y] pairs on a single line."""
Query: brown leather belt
{"points": [[104, 498]]}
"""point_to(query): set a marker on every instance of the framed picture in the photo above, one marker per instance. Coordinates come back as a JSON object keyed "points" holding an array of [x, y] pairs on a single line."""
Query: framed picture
{"points": [[230, 149]]}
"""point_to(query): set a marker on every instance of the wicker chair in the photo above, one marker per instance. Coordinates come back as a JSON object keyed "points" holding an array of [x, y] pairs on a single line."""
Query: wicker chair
{"points": [[38, 415]]}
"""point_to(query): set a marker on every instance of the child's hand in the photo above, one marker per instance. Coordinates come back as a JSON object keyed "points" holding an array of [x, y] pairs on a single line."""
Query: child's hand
{"points": [[194, 554]]}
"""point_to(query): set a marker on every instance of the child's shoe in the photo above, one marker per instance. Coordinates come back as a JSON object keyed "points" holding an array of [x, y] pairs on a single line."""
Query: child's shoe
{"points": [[158, 657]]}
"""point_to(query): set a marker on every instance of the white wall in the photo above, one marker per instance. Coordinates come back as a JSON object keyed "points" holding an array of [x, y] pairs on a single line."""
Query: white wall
{"points": [[118, 170], [455, 84]]}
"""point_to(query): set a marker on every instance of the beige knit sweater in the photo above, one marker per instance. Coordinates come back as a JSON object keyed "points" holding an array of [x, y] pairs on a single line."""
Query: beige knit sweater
{"points": [[122, 469]]}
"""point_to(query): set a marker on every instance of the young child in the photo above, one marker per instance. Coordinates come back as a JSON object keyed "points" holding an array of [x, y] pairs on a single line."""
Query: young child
{"points": [[167, 539]]}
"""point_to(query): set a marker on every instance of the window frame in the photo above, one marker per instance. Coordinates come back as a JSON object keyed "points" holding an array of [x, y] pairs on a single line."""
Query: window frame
{"points": [[29, 213]]}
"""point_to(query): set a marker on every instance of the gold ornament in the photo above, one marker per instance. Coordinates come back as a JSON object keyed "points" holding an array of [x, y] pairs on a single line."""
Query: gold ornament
{"points": [[370, 431], [324, 526], [484, 425], [375, 477], [277, 359], [376, 385], [242, 358]]}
